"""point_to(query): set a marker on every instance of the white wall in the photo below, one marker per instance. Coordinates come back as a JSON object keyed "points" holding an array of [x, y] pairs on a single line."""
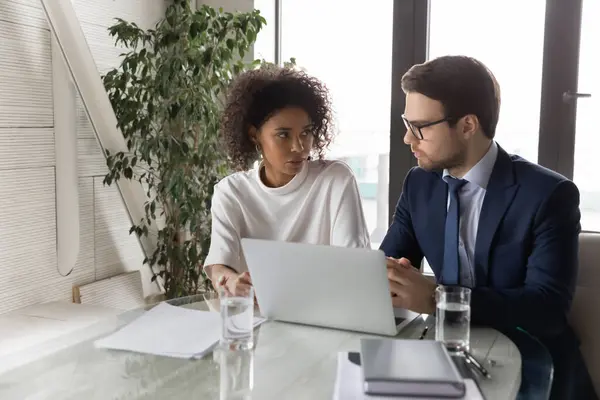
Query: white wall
{"points": [[28, 266], [230, 5]]}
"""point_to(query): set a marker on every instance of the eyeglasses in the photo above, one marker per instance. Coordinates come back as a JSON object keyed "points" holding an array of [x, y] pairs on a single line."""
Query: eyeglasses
{"points": [[416, 129]]}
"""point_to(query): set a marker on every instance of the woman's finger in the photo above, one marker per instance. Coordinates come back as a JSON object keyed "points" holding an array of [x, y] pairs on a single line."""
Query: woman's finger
{"points": [[245, 278], [242, 289]]}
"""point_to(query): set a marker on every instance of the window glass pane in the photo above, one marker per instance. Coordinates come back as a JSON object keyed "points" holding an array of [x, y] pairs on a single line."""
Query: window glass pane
{"points": [[511, 45], [587, 139], [264, 47], [353, 56], [514, 55]]}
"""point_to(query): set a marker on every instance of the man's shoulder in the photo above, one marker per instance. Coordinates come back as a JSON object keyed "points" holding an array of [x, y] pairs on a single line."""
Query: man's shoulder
{"points": [[423, 177], [534, 177]]}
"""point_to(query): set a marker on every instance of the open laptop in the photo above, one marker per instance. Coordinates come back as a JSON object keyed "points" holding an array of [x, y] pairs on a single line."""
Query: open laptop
{"points": [[329, 286]]}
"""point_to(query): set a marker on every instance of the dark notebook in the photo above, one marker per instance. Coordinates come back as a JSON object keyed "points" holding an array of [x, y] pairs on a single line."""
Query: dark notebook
{"points": [[409, 368]]}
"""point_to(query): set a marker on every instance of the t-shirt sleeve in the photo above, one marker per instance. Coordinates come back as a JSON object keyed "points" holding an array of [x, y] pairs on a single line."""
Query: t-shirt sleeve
{"points": [[225, 237], [349, 225]]}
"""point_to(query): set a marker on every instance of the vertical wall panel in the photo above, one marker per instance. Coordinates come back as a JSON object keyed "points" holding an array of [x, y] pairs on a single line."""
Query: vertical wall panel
{"points": [[25, 76], [23, 12], [28, 273], [26, 147], [116, 251]]}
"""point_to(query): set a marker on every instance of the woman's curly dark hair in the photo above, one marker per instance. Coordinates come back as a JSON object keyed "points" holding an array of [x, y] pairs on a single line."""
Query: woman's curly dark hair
{"points": [[255, 95]]}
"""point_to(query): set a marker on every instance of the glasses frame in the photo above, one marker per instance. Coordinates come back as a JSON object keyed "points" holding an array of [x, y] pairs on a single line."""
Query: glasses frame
{"points": [[416, 130]]}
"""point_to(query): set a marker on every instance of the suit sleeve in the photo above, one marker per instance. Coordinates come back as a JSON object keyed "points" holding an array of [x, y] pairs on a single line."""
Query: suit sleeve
{"points": [[400, 240], [541, 305]]}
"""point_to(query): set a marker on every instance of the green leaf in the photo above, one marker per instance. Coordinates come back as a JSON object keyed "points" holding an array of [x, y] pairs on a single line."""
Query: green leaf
{"points": [[167, 96]]}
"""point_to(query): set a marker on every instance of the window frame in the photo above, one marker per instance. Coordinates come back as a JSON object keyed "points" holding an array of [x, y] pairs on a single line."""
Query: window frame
{"points": [[557, 126]]}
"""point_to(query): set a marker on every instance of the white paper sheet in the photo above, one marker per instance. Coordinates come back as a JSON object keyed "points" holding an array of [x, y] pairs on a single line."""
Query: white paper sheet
{"points": [[168, 330], [348, 384]]}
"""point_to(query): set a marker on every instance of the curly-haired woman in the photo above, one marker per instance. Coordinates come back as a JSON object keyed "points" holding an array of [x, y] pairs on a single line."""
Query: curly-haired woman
{"points": [[282, 117]]}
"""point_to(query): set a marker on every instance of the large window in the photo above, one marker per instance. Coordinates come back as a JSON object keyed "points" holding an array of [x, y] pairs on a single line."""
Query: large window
{"points": [[514, 55], [541, 52], [352, 54], [264, 46], [587, 139]]}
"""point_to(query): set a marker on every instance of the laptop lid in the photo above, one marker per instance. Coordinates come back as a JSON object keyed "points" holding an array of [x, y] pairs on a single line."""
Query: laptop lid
{"points": [[337, 287]]}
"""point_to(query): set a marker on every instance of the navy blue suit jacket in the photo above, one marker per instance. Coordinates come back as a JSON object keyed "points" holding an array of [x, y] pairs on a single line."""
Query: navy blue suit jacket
{"points": [[526, 250]]}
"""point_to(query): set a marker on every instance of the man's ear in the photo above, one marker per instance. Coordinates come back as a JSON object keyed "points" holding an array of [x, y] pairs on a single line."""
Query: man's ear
{"points": [[469, 125]]}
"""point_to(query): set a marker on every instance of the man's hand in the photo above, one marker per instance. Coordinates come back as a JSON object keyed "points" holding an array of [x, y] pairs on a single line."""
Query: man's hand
{"points": [[409, 288]]}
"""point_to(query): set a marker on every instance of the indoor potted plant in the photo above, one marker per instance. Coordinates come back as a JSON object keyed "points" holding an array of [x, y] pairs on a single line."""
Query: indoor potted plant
{"points": [[167, 97]]}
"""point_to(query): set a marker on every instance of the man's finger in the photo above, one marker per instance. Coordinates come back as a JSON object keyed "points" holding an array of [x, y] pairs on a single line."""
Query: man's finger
{"points": [[392, 263], [398, 302], [399, 276], [399, 264], [397, 289]]}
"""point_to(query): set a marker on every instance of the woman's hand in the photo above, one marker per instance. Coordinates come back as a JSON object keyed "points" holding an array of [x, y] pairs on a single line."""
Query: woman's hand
{"points": [[238, 285]]}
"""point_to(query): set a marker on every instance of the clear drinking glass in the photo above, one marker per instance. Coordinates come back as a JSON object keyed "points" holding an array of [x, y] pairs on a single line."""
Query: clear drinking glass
{"points": [[236, 370], [453, 317], [237, 318]]}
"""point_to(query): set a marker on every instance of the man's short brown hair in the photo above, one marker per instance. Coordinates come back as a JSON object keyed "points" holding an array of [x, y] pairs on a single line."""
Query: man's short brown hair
{"points": [[462, 84]]}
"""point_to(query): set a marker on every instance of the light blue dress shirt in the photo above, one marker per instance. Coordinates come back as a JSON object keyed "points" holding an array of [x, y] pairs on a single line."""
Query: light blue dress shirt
{"points": [[471, 197]]}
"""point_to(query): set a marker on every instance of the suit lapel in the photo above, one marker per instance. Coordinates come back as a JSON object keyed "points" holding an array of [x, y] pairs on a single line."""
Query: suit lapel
{"points": [[436, 220], [498, 197]]}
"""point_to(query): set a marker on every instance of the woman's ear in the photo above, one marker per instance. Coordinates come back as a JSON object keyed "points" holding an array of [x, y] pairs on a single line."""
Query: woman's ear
{"points": [[253, 133]]}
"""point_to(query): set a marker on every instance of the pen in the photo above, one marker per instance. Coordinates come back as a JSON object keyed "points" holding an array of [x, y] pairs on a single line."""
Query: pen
{"points": [[471, 360], [424, 332]]}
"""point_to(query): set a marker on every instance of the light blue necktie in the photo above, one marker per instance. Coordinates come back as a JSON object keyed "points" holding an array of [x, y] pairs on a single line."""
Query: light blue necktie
{"points": [[451, 268]]}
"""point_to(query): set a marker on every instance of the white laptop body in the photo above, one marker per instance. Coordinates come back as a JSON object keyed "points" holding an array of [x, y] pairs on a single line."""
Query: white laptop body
{"points": [[335, 287]]}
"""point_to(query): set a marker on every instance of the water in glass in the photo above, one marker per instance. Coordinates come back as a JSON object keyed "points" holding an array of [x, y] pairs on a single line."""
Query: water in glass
{"points": [[236, 374], [453, 325], [453, 317], [237, 316]]}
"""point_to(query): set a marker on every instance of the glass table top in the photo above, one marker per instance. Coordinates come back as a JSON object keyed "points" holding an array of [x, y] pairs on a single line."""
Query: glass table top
{"points": [[288, 361]]}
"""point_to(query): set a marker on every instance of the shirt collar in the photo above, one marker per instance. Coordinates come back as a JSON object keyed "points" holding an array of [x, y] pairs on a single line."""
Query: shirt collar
{"points": [[481, 172]]}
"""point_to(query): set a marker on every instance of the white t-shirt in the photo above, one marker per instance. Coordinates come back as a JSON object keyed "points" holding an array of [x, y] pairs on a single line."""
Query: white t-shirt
{"points": [[320, 205]]}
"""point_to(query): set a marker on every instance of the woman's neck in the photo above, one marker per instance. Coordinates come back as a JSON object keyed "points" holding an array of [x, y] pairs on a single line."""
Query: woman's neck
{"points": [[273, 179]]}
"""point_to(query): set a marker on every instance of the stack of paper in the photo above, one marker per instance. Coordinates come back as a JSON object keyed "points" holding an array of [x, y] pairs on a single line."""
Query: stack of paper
{"points": [[349, 384], [168, 330]]}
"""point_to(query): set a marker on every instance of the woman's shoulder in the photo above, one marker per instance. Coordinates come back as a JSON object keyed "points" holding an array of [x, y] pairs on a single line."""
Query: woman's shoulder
{"points": [[335, 170], [235, 182]]}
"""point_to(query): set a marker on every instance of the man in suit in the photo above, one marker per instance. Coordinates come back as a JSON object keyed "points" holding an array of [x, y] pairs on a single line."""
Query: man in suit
{"points": [[505, 227]]}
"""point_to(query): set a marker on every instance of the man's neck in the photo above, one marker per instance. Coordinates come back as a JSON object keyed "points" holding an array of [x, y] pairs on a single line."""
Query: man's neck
{"points": [[473, 155]]}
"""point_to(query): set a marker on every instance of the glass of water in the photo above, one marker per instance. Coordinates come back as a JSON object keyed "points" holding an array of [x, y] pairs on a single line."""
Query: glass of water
{"points": [[453, 317], [237, 319], [236, 374]]}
